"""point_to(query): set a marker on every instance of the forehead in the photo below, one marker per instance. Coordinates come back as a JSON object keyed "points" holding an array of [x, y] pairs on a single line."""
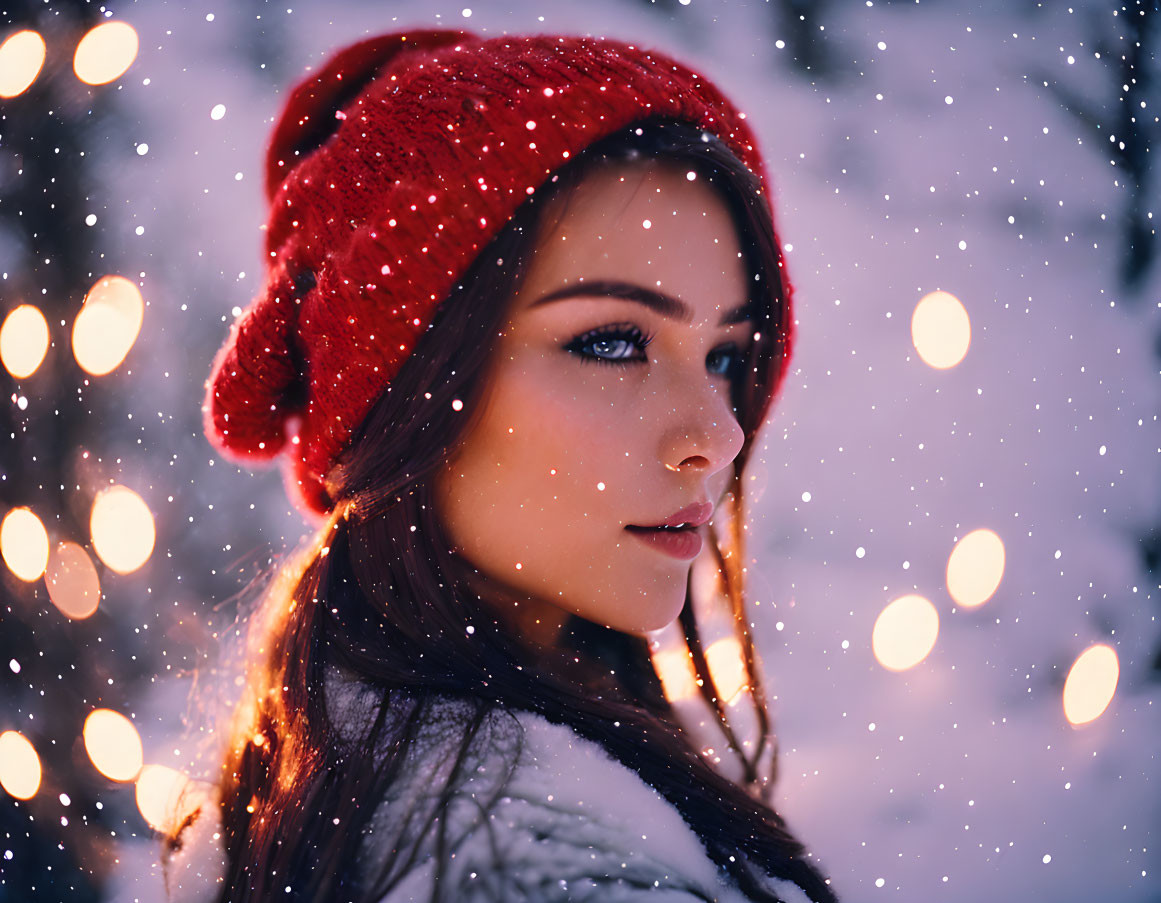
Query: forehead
{"points": [[644, 223]]}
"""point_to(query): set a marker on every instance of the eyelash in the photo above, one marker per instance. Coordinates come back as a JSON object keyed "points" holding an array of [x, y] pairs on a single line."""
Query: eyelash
{"points": [[625, 332]]}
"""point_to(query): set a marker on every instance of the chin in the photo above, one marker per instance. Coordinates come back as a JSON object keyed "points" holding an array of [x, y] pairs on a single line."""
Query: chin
{"points": [[655, 617], [659, 624]]}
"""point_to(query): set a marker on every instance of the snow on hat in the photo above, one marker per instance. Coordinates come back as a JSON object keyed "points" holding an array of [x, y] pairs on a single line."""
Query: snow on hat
{"points": [[387, 174]]}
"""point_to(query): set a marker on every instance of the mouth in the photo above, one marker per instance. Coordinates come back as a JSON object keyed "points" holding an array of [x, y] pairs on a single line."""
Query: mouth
{"points": [[677, 528], [681, 542]]}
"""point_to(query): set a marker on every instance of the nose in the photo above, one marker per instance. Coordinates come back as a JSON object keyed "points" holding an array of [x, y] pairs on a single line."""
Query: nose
{"points": [[702, 434]]}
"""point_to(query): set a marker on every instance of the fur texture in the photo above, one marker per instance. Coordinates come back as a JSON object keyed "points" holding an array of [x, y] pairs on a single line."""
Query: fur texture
{"points": [[536, 814]]}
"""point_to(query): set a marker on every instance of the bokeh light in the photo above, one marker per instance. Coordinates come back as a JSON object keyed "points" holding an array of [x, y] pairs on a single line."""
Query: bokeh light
{"points": [[72, 581], [674, 668], [19, 766], [23, 341], [941, 330], [113, 745], [166, 797], [105, 53], [107, 325], [24, 544], [122, 529], [21, 58], [727, 667], [975, 568], [1091, 683], [905, 632]]}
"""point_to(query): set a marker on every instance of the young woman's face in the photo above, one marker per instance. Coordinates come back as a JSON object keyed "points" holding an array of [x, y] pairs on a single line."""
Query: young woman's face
{"points": [[587, 431]]}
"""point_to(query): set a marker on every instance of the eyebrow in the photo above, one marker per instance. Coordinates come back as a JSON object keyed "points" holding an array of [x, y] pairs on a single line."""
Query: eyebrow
{"points": [[664, 304]]}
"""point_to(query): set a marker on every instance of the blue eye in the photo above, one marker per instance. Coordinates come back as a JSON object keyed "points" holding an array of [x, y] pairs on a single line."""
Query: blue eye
{"points": [[732, 357], [615, 343], [610, 344]]}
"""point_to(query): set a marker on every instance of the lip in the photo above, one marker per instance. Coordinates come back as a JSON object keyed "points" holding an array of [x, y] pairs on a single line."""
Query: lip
{"points": [[683, 544], [695, 515]]}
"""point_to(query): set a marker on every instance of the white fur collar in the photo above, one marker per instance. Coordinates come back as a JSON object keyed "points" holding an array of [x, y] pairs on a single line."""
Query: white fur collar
{"points": [[572, 824]]}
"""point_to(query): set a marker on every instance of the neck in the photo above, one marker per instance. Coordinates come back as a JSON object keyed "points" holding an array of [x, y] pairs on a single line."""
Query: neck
{"points": [[528, 617], [539, 621]]}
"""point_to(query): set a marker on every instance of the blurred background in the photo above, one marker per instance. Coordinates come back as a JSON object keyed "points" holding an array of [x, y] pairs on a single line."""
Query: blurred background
{"points": [[956, 512]]}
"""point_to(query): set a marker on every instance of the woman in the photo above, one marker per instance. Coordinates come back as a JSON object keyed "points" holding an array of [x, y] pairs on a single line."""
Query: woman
{"points": [[455, 692]]}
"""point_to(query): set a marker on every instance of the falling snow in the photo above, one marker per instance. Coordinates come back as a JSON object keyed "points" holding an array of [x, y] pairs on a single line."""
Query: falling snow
{"points": [[929, 149]]}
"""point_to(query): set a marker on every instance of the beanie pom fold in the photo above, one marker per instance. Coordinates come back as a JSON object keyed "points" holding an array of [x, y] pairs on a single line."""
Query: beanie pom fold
{"points": [[251, 389]]}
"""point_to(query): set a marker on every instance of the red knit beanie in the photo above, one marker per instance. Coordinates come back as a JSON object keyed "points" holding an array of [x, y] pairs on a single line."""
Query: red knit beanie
{"points": [[388, 172]]}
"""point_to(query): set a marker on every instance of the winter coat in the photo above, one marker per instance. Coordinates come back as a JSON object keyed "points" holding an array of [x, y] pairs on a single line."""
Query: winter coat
{"points": [[538, 814]]}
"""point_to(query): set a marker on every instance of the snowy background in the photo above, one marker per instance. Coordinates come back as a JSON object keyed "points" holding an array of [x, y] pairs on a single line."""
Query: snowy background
{"points": [[922, 150]]}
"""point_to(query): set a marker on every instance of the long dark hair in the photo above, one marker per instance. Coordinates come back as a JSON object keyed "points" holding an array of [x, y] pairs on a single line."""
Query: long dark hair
{"points": [[380, 592]]}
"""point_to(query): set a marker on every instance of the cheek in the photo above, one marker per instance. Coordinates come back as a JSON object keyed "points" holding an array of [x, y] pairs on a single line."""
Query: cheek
{"points": [[522, 498], [536, 461]]}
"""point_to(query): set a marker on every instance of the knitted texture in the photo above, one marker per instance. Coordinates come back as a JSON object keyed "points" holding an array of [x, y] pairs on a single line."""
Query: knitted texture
{"points": [[441, 135]]}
